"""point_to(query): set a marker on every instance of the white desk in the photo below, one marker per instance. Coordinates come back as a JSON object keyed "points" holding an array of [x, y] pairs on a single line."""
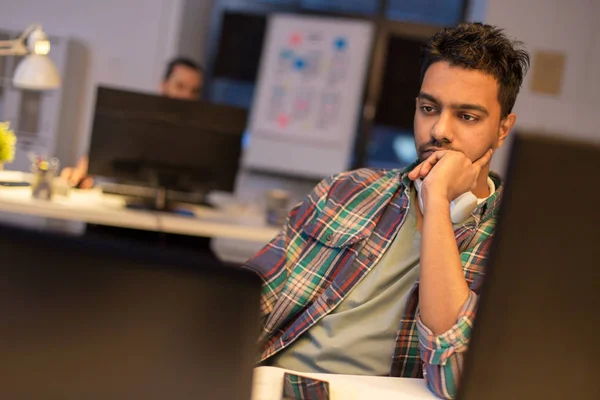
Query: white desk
{"points": [[92, 206], [268, 385]]}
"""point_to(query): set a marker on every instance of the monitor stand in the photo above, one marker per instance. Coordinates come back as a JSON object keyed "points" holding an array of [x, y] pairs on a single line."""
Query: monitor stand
{"points": [[161, 202], [156, 199]]}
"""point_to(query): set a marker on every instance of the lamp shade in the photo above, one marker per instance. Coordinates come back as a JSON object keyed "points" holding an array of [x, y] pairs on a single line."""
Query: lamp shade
{"points": [[36, 72]]}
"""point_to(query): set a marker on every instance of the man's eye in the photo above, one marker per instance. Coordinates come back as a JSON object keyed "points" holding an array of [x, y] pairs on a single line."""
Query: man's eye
{"points": [[427, 109], [468, 117]]}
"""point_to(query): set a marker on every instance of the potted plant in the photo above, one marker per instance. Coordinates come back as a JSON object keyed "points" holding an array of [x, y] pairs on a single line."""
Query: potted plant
{"points": [[8, 140]]}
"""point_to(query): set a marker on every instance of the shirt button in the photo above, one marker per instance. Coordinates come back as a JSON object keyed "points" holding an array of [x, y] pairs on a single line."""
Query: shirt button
{"points": [[371, 256], [329, 237], [330, 301], [285, 337]]}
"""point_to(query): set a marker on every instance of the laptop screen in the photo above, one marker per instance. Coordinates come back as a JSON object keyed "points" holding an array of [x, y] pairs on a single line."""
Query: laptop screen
{"points": [[91, 320], [535, 332]]}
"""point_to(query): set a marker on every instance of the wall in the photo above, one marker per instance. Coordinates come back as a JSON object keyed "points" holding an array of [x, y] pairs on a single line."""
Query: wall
{"points": [[121, 43], [557, 25], [195, 28]]}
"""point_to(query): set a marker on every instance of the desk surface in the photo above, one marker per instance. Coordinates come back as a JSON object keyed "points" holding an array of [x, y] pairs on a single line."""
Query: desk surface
{"points": [[268, 385], [92, 206]]}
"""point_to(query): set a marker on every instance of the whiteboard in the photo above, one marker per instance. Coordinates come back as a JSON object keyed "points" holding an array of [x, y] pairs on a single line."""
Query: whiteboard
{"points": [[309, 93]]}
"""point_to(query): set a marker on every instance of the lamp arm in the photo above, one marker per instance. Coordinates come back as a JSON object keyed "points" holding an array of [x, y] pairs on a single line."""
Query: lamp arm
{"points": [[16, 47]]}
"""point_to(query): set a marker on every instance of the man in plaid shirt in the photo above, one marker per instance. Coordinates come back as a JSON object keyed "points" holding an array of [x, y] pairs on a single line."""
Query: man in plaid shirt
{"points": [[373, 273]]}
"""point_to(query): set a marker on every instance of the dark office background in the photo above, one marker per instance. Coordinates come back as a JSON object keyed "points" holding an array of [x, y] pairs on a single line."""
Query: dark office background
{"points": [[385, 140]]}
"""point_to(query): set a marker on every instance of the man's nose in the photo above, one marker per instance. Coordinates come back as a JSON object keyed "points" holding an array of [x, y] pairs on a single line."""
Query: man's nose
{"points": [[443, 129]]}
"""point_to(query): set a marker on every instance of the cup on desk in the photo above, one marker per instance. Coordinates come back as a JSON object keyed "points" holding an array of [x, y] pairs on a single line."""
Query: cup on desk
{"points": [[278, 202], [42, 184]]}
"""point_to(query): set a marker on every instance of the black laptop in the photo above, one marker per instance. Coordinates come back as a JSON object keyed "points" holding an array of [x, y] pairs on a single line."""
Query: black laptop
{"points": [[82, 319], [537, 329]]}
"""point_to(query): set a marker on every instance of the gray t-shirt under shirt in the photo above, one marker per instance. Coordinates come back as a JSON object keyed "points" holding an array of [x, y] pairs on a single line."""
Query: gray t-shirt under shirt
{"points": [[358, 336]]}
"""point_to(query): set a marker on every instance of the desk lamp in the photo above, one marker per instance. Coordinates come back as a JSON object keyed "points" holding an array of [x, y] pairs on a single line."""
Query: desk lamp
{"points": [[36, 71]]}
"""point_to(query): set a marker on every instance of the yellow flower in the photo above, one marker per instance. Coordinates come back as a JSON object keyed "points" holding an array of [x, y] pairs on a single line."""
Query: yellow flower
{"points": [[8, 140]]}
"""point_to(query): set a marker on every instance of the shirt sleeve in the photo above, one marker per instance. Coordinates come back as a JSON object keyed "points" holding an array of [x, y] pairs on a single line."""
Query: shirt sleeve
{"points": [[443, 354]]}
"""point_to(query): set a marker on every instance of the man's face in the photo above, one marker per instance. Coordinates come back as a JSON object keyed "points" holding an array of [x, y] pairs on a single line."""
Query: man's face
{"points": [[184, 83], [458, 109]]}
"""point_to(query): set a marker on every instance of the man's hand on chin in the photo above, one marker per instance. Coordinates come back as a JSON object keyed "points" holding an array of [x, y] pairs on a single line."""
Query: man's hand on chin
{"points": [[447, 174]]}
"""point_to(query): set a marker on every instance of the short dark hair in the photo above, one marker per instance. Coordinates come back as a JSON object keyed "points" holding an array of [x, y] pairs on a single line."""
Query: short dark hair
{"points": [[183, 61], [481, 47]]}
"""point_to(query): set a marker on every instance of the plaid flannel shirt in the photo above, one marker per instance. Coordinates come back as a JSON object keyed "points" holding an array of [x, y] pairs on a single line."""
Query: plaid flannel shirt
{"points": [[333, 238]]}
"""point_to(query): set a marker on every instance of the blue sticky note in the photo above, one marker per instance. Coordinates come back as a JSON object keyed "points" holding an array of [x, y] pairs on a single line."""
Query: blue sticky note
{"points": [[286, 54], [340, 43]]}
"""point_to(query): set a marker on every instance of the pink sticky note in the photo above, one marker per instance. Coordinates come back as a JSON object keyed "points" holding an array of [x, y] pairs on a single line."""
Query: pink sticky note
{"points": [[283, 120], [295, 39]]}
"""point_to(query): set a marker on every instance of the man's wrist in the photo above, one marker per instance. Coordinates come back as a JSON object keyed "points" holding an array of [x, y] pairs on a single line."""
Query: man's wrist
{"points": [[437, 202]]}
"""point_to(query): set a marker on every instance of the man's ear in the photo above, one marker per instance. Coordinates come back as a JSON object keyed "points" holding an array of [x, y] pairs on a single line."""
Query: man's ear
{"points": [[506, 126]]}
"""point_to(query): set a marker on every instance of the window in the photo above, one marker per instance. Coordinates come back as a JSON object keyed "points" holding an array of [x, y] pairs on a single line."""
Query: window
{"points": [[435, 12], [365, 7], [284, 2], [232, 92], [238, 57], [391, 140], [401, 82], [390, 147], [240, 46]]}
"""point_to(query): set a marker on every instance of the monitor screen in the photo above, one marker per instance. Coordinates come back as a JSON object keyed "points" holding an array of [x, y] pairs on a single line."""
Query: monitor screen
{"points": [[401, 82], [177, 144], [391, 138], [94, 319], [240, 46]]}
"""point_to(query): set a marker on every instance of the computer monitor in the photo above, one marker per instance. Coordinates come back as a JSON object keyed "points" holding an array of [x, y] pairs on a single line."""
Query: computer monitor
{"points": [[239, 46], [85, 319], [155, 141], [536, 329]]}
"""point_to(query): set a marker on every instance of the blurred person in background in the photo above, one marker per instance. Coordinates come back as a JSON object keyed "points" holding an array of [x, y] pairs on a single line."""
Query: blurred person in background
{"points": [[183, 79]]}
